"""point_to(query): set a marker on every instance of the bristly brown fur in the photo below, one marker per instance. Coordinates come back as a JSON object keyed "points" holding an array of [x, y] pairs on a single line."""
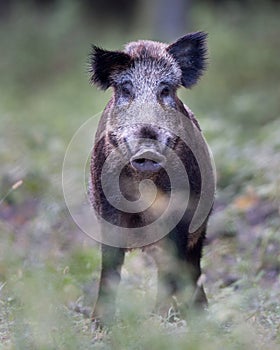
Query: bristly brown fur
{"points": [[190, 52], [103, 63], [145, 116], [186, 58]]}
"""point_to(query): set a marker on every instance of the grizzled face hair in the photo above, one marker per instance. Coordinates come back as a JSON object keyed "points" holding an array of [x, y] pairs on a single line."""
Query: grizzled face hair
{"points": [[148, 70]]}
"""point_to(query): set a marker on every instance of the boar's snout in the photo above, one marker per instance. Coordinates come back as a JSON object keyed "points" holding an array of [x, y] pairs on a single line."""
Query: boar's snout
{"points": [[147, 160]]}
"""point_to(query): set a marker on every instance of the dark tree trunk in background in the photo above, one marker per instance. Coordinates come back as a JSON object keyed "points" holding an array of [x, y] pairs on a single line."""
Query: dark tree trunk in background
{"points": [[5, 8], [112, 12], [171, 19]]}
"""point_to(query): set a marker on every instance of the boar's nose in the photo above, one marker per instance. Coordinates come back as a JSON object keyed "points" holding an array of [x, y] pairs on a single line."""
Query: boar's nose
{"points": [[147, 160]]}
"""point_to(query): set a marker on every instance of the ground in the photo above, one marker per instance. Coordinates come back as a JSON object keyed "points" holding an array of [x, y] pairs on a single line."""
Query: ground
{"points": [[49, 269]]}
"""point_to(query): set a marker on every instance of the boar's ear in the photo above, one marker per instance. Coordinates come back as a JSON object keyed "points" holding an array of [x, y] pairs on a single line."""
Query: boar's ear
{"points": [[190, 53], [103, 63]]}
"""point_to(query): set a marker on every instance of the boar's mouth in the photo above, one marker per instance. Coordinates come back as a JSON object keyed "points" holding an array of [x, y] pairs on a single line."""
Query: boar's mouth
{"points": [[147, 161]]}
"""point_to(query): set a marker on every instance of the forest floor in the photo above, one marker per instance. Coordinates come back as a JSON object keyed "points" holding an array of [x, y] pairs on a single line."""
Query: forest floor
{"points": [[49, 269]]}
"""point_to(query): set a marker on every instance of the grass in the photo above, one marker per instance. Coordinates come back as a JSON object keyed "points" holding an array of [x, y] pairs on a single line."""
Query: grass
{"points": [[49, 270]]}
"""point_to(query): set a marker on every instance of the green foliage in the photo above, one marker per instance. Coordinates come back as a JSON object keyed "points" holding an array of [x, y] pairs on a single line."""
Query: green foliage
{"points": [[49, 269]]}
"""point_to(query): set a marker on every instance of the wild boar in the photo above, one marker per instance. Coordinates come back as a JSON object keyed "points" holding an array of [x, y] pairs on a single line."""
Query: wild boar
{"points": [[147, 137]]}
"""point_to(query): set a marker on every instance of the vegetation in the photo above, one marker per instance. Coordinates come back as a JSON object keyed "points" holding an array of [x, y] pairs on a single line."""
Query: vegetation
{"points": [[49, 269]]}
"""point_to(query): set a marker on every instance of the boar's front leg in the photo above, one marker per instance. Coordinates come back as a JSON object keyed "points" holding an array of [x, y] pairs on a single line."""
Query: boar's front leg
{"points": [[193, 259], [178, 276], [112, 261]]}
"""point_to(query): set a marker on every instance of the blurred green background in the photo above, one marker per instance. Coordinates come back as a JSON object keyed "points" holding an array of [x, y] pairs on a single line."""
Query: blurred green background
{"points": [[48, 268]]}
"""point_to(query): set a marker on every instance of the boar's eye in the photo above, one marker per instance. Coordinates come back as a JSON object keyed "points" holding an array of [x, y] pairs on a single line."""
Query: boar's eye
{"points": [[126, 89], [165, 91]]}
